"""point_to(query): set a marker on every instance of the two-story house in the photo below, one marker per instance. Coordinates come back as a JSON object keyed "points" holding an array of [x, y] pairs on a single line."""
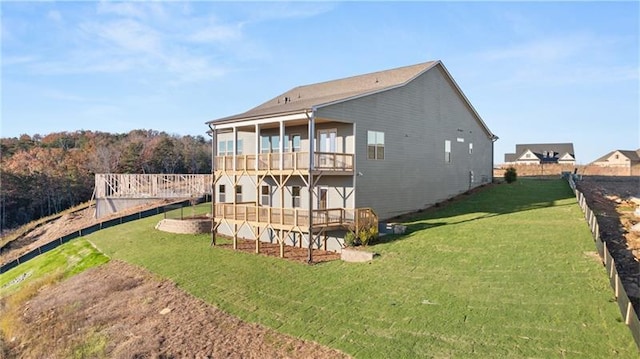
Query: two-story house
{"points": [[541, 153], [318, 160]]}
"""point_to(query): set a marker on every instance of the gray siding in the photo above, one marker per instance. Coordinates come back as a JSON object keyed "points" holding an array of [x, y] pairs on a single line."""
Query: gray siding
{"points": [[416, 119]]}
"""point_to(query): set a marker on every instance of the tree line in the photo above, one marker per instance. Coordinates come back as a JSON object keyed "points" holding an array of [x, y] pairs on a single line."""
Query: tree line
{"points": [[43, 175]]}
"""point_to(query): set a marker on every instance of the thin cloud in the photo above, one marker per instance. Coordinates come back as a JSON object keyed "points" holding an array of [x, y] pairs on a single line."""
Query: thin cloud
{"points": [[126, 9], [17, 60], [126, 34], [554, 49], [176, 42], [559, 61], [284, 10], [216, 33], [54, 16], [64, 96]]}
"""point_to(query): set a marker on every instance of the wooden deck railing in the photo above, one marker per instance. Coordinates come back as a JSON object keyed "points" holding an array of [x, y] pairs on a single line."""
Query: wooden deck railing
{"points": [[290, 161], [159, 185], [354, 218]]}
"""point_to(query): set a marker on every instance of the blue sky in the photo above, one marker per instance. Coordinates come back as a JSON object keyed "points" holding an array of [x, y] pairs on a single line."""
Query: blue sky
{"points": [[537, 72]]}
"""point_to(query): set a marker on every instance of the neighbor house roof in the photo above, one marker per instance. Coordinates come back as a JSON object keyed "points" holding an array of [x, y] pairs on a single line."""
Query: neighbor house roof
{"points": [[305, 98], [633, 156], [539, 148], [544, 152]]}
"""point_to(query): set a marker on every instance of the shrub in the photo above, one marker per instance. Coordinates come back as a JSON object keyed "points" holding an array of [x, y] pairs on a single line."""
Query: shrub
{"points": [[510, 175], [350, 239], [367, 236]]}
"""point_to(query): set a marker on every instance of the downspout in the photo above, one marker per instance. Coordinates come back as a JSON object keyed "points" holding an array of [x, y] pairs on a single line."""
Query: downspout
{"points": [[311, 128], [494, 138], [213, 186]]}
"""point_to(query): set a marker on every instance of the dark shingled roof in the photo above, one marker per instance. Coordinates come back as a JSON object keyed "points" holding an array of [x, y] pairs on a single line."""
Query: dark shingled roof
{"points": [[545, 152], [305, 97], [539, 148]]}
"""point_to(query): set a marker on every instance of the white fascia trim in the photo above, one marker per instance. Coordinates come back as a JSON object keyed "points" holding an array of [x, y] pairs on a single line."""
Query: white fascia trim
{"points": [[260, 121]]}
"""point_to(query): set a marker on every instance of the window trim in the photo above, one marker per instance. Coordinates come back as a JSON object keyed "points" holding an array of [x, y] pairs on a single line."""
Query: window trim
{"points": [[377, 145], [265, 199], [295, 197], [293, 142], [238, 193], [222, 193], [447, 151]]}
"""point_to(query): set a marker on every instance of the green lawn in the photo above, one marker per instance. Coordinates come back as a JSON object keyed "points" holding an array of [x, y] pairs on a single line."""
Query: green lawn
{"points": [[502, 273], [62, 262]]}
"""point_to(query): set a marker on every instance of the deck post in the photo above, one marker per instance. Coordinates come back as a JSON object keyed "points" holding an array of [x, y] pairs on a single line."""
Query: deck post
{"points": [[213, 187], [235, 235], [257, 239], [281, 240], [311, 128]]}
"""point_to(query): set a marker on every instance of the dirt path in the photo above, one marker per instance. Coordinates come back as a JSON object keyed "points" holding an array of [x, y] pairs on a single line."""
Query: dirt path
{"points": [[122, 311]]}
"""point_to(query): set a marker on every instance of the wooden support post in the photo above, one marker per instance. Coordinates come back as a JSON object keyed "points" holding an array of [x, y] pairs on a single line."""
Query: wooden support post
{"points": [[257, 239], [326, 238], [281, 240], [235, 236]]}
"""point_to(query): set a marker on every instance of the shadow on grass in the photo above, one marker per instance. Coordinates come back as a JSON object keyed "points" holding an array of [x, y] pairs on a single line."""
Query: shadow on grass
{"points": [[487, 201]]}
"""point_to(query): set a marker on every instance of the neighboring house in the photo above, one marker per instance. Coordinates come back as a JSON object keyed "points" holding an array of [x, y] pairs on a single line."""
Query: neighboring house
{"points": [[542, 153], [347, 151], [619, 159]]}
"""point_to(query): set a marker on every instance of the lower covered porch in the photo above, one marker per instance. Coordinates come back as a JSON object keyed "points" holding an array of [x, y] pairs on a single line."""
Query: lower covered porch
{"points": [[323, 229]]}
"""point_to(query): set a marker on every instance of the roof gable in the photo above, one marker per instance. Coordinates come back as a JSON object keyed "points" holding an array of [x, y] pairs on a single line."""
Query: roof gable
{"points": [[633, 156]]}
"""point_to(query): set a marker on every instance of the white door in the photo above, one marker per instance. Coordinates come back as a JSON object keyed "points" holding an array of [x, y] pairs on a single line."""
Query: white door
{"points": [[322, 197], [327, 143], [327, 140]]}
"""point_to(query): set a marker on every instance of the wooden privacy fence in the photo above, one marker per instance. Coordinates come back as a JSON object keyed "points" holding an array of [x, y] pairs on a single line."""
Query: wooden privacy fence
{"points": [[90, 229], [624, 304]]}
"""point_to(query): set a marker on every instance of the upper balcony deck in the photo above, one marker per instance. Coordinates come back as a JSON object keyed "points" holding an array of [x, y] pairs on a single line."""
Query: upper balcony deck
{"points": [[325, 162]]}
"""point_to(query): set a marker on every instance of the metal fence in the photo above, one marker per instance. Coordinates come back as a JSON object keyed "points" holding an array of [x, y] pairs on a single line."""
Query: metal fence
{"points": [[93, 228], [624, 304]]}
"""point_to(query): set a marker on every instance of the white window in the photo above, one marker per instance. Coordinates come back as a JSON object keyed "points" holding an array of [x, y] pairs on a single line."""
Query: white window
{"points": [[470, 148], [295, 196], [238, 194], [225, 148], [375, 145], [285, 143], [239, 147], [275, 144], [447, 151], [222, 196], [265, 144], [295, 141], [265, 195]]}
